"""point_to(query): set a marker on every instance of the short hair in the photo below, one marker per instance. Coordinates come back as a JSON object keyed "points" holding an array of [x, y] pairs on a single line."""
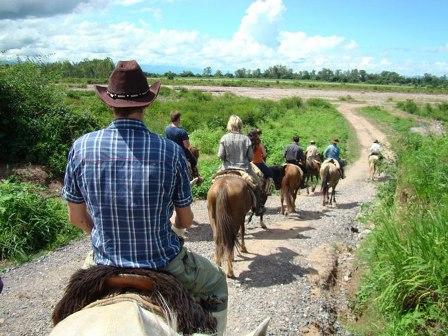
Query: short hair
{"points": [[235, 124], [376, 141], [296, 138], [123, 112], [175, 116]]}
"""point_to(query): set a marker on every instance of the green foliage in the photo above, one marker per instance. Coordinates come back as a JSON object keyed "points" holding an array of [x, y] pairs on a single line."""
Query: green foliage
{"points": [[437, 111], [35, 126], [30, 222], [407, 278], [94, 68]]}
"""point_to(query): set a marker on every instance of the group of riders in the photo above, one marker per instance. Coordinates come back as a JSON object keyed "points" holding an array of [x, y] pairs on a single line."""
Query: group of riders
{"points": [[128, 188]]}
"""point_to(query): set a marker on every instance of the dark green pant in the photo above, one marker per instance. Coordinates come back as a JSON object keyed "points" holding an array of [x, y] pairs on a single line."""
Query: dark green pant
{"points": [[202, 279]]}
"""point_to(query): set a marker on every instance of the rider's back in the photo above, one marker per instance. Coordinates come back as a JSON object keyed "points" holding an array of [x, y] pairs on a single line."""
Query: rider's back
{"points": [[129, 179], [235, 151]]}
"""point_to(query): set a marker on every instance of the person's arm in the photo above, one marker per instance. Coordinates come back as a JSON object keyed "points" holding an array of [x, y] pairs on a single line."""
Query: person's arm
{"points": [[187, 144], [79, 216], [182, 197], [250, 151], [183, 218], [326, 152], [263, 151], [221, 151]]}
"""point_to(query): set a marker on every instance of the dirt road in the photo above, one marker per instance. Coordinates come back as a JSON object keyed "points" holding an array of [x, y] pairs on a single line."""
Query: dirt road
{"points": [[287, 274]]}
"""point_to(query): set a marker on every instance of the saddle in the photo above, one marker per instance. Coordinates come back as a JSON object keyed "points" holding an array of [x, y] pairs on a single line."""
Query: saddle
{"points": [[242, 174], [100, 285]]}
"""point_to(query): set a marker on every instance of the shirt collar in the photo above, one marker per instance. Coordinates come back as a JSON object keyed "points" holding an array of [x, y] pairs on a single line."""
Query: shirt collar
{"points": [[124, 123]]}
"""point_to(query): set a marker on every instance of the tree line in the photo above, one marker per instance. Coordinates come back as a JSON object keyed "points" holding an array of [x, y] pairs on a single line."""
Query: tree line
{"points": [[326, 75], [101, 68]]}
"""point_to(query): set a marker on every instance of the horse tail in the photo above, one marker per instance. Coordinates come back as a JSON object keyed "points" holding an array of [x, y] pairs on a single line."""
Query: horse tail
{"points": [[325, 177], [226, 232]]}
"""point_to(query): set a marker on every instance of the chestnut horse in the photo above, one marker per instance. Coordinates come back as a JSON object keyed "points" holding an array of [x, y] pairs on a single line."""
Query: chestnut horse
{"points": [[330, 175], [313, 164], [291, 181], [229, 199]]}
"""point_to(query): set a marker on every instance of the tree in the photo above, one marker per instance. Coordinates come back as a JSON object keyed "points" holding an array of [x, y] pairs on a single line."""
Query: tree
{"points": [[218, 73], [207, 72]]}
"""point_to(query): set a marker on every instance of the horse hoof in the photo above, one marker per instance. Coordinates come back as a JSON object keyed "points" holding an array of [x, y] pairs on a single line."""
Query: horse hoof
{"points": [[264, 226], [244, 250], [231, 276]]}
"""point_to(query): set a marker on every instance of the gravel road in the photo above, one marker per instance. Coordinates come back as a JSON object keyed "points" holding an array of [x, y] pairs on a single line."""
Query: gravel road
{"points": [[276, 278]]}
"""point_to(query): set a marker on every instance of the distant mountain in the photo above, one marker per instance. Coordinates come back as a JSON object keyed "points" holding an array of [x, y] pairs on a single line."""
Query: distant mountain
{"points": [[161, 69]]}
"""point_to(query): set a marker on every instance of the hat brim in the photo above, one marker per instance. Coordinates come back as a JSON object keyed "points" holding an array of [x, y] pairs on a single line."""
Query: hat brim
{"points": [[142, 101]]}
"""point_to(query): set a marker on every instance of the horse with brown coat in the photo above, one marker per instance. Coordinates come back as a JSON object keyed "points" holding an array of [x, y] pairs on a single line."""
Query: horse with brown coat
{"points": [[229, 199], [330, 175], [291, 181]]}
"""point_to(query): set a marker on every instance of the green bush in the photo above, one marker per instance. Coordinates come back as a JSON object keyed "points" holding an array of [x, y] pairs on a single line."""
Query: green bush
{"points": [[30, 222], [406, 259], [35, 126]]}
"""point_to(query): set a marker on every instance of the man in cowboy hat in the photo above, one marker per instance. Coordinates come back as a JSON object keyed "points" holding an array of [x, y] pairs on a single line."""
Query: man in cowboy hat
{"points": [[375, 149], [311, 151], [122, 184], [333, 152]]}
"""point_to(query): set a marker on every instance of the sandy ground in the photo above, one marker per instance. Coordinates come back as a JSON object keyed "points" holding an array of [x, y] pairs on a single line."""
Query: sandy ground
{"points": [[277, 278], [370, 97]]}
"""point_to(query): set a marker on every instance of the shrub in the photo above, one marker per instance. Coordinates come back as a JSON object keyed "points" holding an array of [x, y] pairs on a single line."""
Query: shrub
{"points": [[29, 221], [35, 126], [408, 105]]}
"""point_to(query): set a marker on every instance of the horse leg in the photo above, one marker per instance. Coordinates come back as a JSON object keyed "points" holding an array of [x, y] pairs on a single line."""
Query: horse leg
{"points": [[334, 195], [229, 272], [282, 198], [263, 226], [243, 246]]}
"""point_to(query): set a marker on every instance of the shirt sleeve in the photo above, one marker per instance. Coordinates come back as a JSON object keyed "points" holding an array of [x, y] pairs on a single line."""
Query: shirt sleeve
{"points": [[221, 151], [71, 191], [250, 151], [326, 152], [182, 190], [183, 135]]}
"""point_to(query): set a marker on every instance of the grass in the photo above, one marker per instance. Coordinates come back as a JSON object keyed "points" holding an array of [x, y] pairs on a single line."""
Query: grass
{"points": [[30, 221], [264, 82], [437, 111], [405, 289], [205, 117]]}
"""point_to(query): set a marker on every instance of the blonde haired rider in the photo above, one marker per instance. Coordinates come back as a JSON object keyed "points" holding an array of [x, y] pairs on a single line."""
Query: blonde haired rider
{"points": [[235, 152]]}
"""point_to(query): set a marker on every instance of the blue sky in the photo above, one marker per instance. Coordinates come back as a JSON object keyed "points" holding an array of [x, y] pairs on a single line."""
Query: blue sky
{"points": [[410, 37]]}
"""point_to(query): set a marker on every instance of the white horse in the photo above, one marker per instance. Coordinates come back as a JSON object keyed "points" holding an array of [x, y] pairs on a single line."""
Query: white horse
{"points": [[373, 166]]}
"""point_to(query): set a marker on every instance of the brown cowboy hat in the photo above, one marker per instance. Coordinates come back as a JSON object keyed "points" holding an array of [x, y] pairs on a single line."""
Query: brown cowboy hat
{"points": [[335, 140], [128, 87]]}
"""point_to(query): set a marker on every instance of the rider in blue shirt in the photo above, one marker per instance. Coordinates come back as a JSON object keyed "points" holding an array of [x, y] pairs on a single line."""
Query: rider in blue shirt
{"points": [[334, 152]]}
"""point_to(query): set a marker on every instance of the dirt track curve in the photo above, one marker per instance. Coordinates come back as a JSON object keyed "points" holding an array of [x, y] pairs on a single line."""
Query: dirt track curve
{"points": [[287, 275]]}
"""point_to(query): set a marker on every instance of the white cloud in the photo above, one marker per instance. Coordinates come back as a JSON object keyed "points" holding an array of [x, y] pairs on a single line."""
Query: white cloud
{"points": [[351, 45], [295, 45], [257, 43], [260, 22]]}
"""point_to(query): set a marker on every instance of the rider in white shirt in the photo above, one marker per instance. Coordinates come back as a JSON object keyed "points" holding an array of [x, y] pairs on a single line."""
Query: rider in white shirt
{"points": [[375, 149]]}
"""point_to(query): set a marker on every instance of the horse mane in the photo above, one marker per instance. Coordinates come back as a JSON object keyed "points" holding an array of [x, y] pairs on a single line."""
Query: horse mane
{"points": [[89, 285]]}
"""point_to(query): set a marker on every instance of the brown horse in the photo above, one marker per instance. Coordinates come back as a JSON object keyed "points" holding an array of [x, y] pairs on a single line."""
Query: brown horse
{"points": [[330, 175], [312, 169], [229, 199], [291, 181]]}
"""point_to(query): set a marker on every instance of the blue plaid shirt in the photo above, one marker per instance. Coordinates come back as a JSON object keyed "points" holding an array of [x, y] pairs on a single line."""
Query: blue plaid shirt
{"points": [[130, 180]]}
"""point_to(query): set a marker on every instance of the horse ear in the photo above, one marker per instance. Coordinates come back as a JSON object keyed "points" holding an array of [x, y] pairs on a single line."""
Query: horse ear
{"points": [[261, 329]]}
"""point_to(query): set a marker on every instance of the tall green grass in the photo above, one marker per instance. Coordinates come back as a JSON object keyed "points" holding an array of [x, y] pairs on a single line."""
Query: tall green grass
{"points": [[30, 221], [205, 117], [406, 254], [437, 111]]}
